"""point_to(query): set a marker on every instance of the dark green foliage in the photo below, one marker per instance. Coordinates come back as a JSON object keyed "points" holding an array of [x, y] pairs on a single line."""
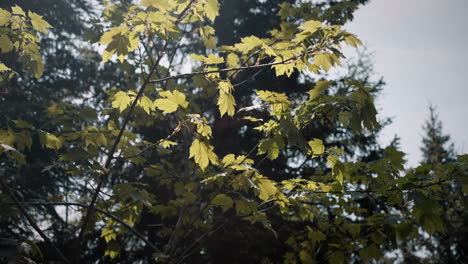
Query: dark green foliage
{"points": [[435, 149]]}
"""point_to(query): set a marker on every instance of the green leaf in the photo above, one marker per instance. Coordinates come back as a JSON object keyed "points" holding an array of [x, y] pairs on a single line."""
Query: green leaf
{"points": [[3, 67], [225, 87], [223, 201], [311, 26], [324, 60], [283, 68], [164, 6], [16, 10], [226, 104], [320, 86], [202, 153], [267, 189], [112, 250], [228, 159], [21, 124], [465, 188], [4, 17], [370, 252], [248, 43], [146, 104], [271, 146], [232, 60], [332, 160], [49, 140], [317, 147], [5, 44], [211, 9], [170, 101], [344, 118], [338, 169], [213, 59], [167, 144], [352, 40], [38, 23], [244, 207], [108, 234], [14, 153], [121, 101], [337, 150]]}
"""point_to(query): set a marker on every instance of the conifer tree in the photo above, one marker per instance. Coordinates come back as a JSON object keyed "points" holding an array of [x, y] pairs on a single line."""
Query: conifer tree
{"points": [[434, 147]]}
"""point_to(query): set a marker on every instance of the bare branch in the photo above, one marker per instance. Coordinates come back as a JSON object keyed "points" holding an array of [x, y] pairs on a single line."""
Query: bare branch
{"points": [[30, 219]]}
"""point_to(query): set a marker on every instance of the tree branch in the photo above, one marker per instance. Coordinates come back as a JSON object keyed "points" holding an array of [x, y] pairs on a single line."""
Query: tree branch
{"points": [[107, 165], [120, 221], [175, 131], [31, 221], [222, 70]]}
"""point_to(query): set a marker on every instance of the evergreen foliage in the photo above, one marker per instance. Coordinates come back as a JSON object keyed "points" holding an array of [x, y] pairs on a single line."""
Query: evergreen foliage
{"points": [[435, 149]]}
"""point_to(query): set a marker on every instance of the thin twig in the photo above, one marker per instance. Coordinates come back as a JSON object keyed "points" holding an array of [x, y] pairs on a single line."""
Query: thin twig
{"points": [[222, 70], [175, 131]]}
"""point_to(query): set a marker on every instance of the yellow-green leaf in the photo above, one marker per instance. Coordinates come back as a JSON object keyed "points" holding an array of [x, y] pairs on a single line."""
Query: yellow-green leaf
{"points": [[229, 159], [317, 147], [248, 43], [211, 9], [146, 104], [121, 101], [352, 40], [266, 189], [202, 153], [38, 23], [108, 234], [3, 67], [223, 201], [213, 59], [326, 60], [320, 86], [5, 44], [49, 141], [271, 146], [4, 17], [17, 10], [225, 86], [283, 68], [311, 26], [21, 124], [167, 144], [170, 101], [232, 60], [226, 104], [164, 6], [245, 207], [166, 105]]}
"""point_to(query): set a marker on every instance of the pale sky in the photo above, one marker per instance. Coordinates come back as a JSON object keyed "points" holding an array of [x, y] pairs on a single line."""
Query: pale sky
{"points": [[421, 50]]}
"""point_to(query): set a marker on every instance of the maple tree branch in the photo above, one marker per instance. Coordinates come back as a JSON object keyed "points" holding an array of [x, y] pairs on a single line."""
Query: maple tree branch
{"points": [[31, 221], [222, 70], [110, 156], [108, 214]]}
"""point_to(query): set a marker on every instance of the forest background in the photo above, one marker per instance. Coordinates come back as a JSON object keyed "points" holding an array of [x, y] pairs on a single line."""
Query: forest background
{"points": [[197, 131]]}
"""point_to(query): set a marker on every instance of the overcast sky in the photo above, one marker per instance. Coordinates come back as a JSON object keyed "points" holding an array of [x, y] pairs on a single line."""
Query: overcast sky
{"points": [[420, 48]]}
